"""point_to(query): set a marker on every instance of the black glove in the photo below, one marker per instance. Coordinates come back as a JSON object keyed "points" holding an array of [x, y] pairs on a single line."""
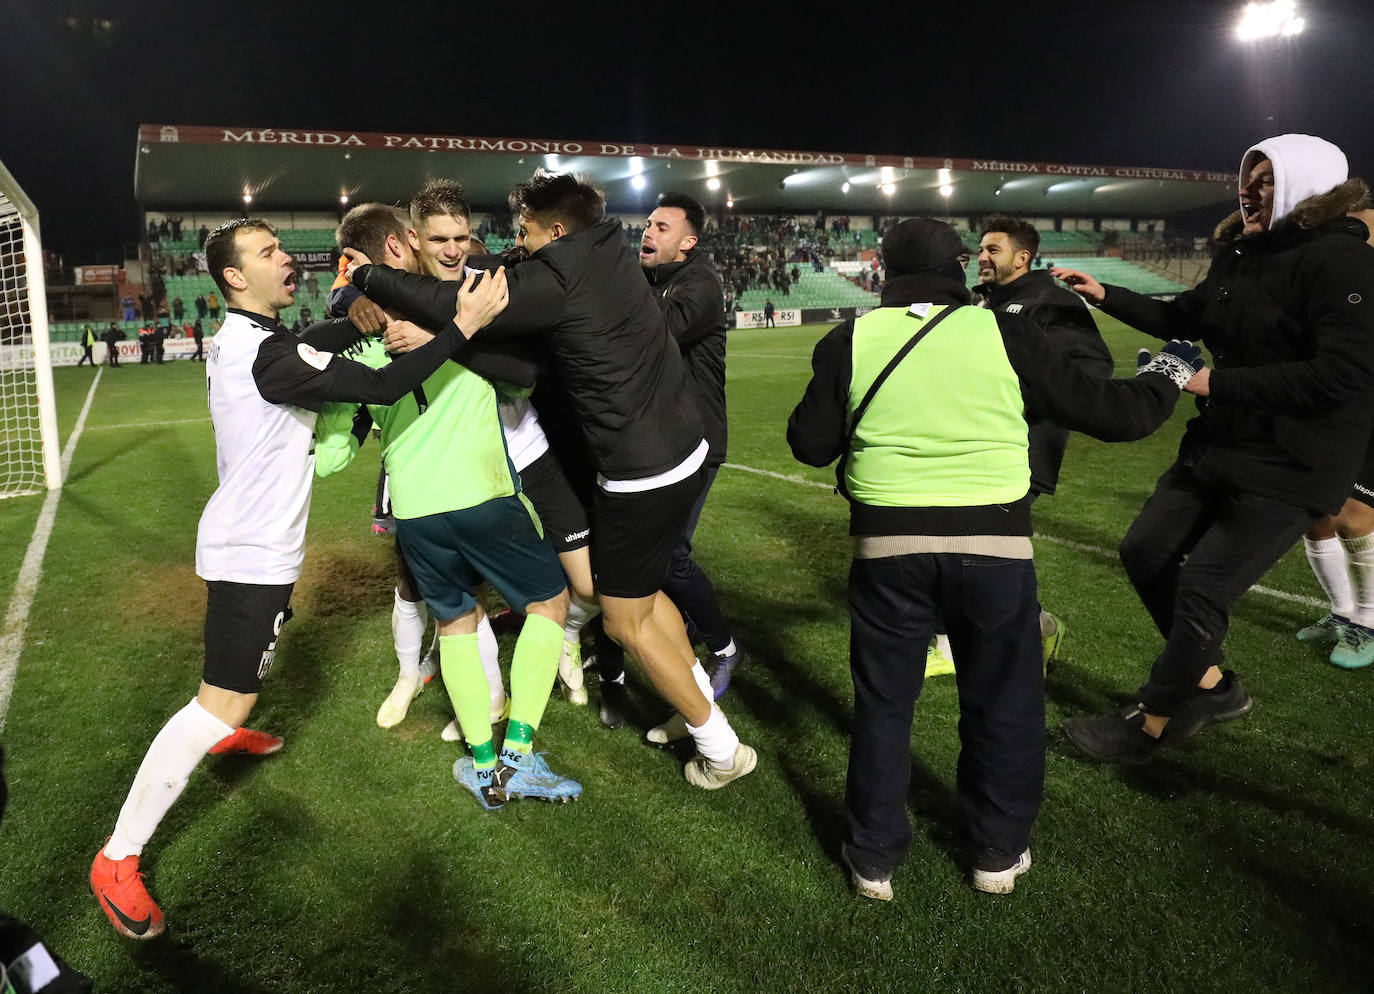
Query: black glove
{"points": [[1178, 360]]}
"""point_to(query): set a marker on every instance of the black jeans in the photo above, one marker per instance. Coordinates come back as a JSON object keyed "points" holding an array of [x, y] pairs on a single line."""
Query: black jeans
{"points": [[989, 608], [1192, 551]]}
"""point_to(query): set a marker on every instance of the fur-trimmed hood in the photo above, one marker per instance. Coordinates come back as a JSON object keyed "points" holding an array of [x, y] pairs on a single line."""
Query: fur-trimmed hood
{"points": [[1315, 211]]}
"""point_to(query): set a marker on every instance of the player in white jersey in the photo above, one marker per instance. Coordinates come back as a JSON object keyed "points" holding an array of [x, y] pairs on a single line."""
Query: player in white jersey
{"points": [[265, 387]]}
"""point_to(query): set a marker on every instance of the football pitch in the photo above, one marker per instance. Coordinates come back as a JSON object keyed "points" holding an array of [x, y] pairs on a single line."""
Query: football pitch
{"points": [[352, 861]]}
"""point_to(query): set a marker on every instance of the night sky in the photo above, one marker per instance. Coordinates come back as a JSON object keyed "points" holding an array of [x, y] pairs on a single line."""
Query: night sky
{"points": [[1155, 84]]}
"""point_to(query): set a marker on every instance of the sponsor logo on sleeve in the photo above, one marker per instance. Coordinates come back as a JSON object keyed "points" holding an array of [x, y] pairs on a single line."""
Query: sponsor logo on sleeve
{"points": [[313, 357]]}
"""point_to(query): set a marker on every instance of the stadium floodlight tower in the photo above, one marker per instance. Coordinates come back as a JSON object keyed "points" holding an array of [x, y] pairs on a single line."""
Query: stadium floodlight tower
{"points": [[29, 451], [1277, 19]]}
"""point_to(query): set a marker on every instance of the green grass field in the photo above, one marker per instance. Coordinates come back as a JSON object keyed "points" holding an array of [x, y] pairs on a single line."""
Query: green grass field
{"points": [[353, 862]]}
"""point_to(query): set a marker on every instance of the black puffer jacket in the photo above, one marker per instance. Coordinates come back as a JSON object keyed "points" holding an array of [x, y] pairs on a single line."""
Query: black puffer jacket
{"points": [[586, 291], [1288, 315], [693, 302]]}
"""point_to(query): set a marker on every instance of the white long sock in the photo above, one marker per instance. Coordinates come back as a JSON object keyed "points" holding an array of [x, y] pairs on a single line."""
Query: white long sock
{"points": [[175, 752], [716, 740], [490, 651], [1359, 561], [408, 623], [1327, 558], [579, 613], [703, 681]]}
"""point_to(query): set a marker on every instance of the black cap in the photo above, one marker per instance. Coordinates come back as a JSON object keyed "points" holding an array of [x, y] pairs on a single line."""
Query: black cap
{"points": [[920, 244]]}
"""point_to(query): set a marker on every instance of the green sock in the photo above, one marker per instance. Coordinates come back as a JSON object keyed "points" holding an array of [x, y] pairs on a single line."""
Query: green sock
{"points": [[532, 671], [461, 664]]}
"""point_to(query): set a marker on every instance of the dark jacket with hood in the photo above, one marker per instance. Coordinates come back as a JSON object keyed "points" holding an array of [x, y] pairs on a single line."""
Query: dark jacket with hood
{"points": [[1288, 315], [587, 293], [693, 301], [1052, 386]]}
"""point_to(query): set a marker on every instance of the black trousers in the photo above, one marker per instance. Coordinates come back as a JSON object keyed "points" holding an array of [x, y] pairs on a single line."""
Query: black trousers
{"points": [[690, 588], [1192, 551], [989, 608]]}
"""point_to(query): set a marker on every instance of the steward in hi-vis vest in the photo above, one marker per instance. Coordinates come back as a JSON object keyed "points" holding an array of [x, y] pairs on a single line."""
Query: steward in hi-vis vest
{"points": [[927, 401]]}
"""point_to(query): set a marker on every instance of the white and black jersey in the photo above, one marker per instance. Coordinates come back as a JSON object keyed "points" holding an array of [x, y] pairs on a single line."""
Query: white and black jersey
{"points": [[265, 387]]}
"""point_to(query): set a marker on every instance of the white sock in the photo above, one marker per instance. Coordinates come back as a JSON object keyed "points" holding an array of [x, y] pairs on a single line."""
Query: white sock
{"points": [[1359, 561], [579, 613], [703, 681], [728, 650], [490, 652], [182, 743], [1327, 559], [408, 623], [716, 740]]}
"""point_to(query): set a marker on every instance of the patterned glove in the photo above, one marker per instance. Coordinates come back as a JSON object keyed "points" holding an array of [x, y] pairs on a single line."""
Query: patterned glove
{"points": [[1177, 360]]}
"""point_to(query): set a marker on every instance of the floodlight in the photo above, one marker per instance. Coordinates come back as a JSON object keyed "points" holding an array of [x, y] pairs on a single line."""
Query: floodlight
{"points": [[551, 162], [844, 188], [889, 188], [713, 184], [944, 177], [343, 198], [946, 190], [638, 182], [247, 197], [712, 167], [1269, 20], [730, 202]]}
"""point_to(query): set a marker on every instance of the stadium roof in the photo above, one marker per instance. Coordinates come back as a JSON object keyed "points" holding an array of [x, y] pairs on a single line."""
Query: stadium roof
{"points": [[198, 166]]}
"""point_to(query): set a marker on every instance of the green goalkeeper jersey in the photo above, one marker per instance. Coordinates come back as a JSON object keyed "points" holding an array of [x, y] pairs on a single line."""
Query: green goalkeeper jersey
{"points": [[443, 445]]}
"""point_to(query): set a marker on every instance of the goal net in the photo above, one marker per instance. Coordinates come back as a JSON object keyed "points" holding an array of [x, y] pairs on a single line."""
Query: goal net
{"points": [[29, 459]]}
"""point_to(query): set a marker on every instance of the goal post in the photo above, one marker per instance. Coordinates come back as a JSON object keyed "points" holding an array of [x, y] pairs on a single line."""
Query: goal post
{"points": [[30, 457]]}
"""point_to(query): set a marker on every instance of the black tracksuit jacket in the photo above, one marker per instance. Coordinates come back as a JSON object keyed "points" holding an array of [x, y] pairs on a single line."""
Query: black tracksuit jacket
{"points": [[693, 301]]}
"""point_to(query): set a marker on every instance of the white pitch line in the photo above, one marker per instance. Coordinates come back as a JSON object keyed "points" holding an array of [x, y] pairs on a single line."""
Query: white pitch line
{"points": [[147, 424], [765, 355], [1095, 550], [17, 617]]}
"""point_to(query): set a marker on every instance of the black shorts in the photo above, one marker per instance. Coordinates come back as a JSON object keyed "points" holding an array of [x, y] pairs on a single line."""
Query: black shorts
{"points": [[634, 535], [1363, 490], [498, 541], [242, 622], [560, 512]]}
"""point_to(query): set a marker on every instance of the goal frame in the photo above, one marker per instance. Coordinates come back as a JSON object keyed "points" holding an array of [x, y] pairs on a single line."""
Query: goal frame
{"points": [[38, 328]]}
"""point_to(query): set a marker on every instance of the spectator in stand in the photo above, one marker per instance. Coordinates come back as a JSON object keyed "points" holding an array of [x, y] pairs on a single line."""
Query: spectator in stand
{"points": [[200, 305], [162, 311], [152, 231], [178, 308], [126, 305], [176, 228], [796, 275], [203, 234], [164, 230], [212, 302], [312, 285]]}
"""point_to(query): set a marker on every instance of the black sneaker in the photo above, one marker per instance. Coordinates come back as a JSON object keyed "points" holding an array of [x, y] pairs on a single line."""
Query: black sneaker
{"points": [[1224, 702], [1118, 737], [615, 700]]}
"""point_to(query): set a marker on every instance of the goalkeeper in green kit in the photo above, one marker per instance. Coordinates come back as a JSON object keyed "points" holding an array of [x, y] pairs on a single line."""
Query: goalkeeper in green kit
{"points": [[461, 519]]}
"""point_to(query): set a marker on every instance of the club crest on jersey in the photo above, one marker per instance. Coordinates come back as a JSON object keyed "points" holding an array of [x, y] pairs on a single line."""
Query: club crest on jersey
{"points": [[315, 358]]}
